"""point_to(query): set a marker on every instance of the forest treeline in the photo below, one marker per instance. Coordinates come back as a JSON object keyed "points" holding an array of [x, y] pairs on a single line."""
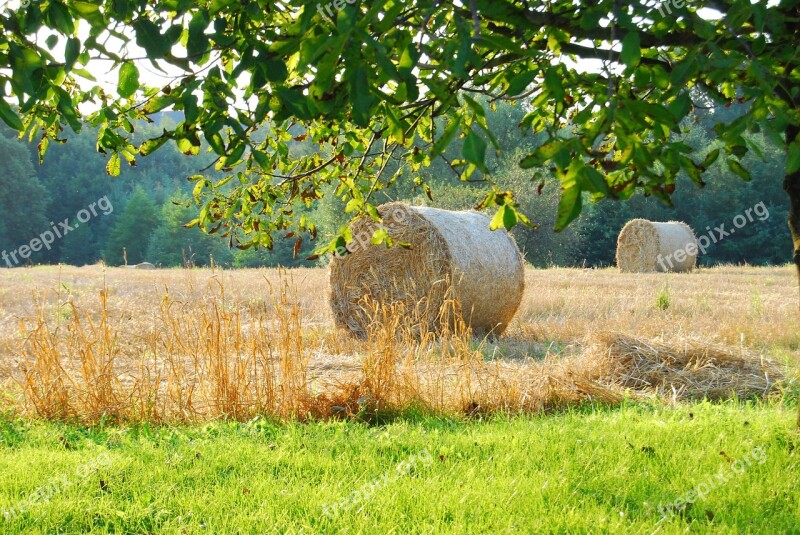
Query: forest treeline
{"points": [[140, 215]]}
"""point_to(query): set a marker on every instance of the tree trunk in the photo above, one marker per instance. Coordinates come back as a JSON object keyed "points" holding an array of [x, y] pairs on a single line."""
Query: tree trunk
{"points": [[791, 184]]}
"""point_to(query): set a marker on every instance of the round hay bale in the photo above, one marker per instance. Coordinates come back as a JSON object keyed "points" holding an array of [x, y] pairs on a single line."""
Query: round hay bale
{"points": [[645, 246], [448, 255], [143, 265]]}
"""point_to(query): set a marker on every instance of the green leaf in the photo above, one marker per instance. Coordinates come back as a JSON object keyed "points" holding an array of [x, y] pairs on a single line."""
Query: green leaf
{"points": [[235, 153], [379, 236], [509, 217], [198, 188], [683, 70], [737, 168], [113, 165], [447, 136], [292, 103], [552, 80], [215, 140], [186, 146], [60, 18], [151, 145], [474, 151], [90, 12], [553, 151], [693, 170], [66, 108], [86, 9], [190, 109], [360, 98], [631, 50], [530, 161], [83, 73], [660, 77], [9, 117], [71, 52], [499, 217], [739, 13], [520, 82], [148, 36], [738, 150], [158, 103], [197, 44], [128, 79], [590, 18], [42, 148], [261, 159], [569, 207], [680, 106], [274, 70], [591, 180], [711, 157], [26, 60], [353, 204]]}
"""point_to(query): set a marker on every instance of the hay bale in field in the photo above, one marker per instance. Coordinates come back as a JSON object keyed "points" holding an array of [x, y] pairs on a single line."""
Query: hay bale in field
{"points": [[142, 265], [645, 246], [449, 255]]}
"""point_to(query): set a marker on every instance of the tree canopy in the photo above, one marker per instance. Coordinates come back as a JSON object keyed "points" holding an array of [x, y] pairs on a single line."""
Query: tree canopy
{"points": [[380, 88]]}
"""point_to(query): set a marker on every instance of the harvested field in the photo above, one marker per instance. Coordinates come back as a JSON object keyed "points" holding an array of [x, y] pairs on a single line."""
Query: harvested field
{"points": [[182, 345]]}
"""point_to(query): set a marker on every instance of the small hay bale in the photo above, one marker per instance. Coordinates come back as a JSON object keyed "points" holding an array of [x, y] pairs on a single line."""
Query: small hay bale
{"points": [[142, 265], [450, 257], [645, 246]]}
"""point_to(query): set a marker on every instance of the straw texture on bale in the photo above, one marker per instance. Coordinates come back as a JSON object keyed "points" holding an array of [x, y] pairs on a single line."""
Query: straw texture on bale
{"points": [[645, 246], [448, 257]]}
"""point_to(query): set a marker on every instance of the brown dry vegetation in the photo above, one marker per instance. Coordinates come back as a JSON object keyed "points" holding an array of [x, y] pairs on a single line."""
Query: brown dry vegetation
{"points": [[184, 345]]}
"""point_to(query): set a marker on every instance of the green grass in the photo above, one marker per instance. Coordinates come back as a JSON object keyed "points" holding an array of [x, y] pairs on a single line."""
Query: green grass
{"points": [[664, 298], [603, 470]]}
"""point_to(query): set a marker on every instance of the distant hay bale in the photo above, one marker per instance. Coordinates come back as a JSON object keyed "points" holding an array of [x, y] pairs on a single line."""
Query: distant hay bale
{"points": [[142, 265], [450, 256], [645, 246]]}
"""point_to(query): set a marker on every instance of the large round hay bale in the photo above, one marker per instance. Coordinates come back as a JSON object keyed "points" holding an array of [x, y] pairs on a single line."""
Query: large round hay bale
{"points": [[645, 246], [448, 255]]}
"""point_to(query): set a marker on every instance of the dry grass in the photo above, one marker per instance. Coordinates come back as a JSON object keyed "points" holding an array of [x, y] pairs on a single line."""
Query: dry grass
{"points": [[186, 345]]}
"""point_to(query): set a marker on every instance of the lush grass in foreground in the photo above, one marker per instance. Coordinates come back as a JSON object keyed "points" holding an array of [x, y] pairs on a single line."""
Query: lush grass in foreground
{"points": [[602, 471]]}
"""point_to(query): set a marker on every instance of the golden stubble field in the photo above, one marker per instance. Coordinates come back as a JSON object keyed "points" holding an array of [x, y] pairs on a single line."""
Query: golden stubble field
{"points": [[181, 345]]}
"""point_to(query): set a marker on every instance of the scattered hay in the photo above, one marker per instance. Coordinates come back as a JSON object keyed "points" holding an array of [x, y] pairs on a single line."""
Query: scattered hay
{"points": [[690, 369], [448, 255], [645, 246]]}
